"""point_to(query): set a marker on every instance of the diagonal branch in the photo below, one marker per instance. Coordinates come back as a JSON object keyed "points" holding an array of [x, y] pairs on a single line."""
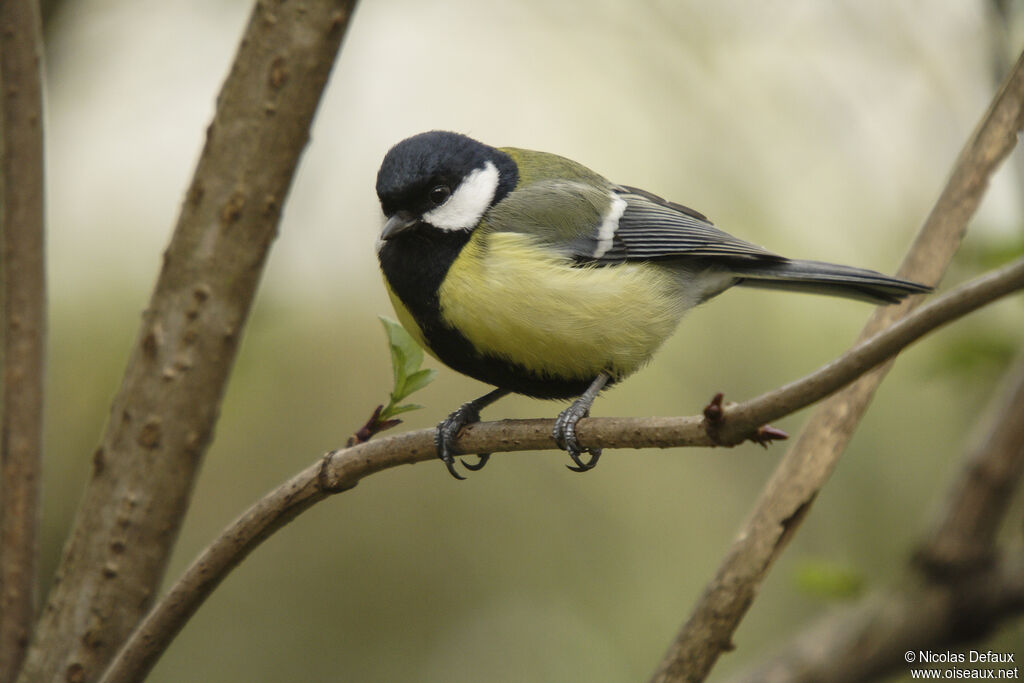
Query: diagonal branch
{"points": [[871, 640], [23, 304], [963, 590], [164, 413], [790, 492], [342, 470]]}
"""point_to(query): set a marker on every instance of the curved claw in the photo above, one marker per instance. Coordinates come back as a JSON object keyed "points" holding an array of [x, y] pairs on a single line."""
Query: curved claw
{"points": [[581, 466], [575, 450], [450, 464], [448, 430], [479, 465]]}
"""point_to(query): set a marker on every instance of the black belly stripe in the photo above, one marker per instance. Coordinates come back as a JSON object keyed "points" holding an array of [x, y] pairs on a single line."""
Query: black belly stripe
{"points": [[415, 264]]}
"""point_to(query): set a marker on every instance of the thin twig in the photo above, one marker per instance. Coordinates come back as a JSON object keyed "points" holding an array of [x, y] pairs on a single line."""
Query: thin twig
{"points": [[163, 416], [342, 470], [23, 303], [790, 492]]}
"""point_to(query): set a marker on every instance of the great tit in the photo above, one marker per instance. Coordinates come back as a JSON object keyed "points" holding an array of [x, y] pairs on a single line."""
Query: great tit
{"points": [[532, 273]]}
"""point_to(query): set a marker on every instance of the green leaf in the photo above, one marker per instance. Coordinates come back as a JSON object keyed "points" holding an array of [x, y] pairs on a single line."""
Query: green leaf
{"points": [[417, 381], [397, 337], [406, 353], [413, 354], [406, 358], [828, 580]]}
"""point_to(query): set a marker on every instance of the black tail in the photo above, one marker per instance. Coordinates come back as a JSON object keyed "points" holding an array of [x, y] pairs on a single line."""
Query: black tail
{"points": [[827, 278]]}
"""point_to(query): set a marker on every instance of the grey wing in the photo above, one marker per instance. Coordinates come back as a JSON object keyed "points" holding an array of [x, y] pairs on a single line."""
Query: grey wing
{"points": [[641, 226], [652, 228]]}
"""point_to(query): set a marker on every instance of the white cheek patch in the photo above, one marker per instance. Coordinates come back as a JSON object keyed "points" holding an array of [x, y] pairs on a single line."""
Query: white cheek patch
{"points": [[468, 203], [610, 223]]}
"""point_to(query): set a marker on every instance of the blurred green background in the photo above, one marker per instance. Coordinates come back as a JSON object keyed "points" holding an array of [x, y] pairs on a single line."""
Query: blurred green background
{"points": [[820, 129]]}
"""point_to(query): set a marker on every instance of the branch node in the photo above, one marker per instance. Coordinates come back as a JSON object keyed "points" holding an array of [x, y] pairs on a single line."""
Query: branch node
{"points": [[714, 414], [714, 418], [327, 483]]}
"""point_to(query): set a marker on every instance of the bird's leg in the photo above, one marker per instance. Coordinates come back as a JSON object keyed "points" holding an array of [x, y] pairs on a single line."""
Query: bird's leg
{"points": [[448, 431], [565, 426]]}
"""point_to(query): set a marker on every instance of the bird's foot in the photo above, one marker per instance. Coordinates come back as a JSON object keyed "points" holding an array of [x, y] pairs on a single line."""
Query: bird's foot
{"points": [[565, 436], [448, 431]]}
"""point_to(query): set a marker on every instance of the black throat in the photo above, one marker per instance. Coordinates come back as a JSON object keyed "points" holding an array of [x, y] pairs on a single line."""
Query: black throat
{"points": [[415, 263]]}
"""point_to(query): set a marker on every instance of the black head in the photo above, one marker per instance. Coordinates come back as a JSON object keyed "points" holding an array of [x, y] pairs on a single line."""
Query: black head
{"points": [[445, 180]]}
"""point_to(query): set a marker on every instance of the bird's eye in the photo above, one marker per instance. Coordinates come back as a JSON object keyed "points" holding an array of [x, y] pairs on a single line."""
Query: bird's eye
{"points": [[439, 195]]}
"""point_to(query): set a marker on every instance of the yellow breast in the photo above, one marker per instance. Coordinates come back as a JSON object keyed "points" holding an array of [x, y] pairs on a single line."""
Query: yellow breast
{"points": [[519, 302]]}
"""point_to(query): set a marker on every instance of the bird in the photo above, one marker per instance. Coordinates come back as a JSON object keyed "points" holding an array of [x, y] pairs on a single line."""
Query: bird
{"points": [[532, 273]]}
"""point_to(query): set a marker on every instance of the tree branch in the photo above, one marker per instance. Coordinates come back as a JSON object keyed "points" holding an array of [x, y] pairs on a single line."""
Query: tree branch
{"points": [[342, 470], [163, 415], [963, 590], [871, 640], [23, 303], [799, 476]]}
